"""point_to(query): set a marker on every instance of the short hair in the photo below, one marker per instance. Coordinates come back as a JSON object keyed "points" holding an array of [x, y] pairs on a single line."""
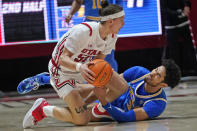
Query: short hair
{"points": [[108, 9], [173, 72]]}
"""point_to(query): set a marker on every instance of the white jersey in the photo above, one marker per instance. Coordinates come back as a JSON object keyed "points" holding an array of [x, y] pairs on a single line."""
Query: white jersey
{"points": [[84, 41]]}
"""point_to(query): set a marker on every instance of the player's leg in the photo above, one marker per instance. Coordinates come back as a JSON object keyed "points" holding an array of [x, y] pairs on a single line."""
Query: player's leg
{"points": [[33, 83], [67, 117], [80, 115], [85, 89], [77, 111], [187, 51], [116, 87], [87, 93], [35, 114], [110, 58], [66, 87]]}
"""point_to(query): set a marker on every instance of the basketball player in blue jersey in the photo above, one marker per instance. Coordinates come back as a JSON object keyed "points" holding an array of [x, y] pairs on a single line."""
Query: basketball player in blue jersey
{"points": [[145, 97], [92, 14]]}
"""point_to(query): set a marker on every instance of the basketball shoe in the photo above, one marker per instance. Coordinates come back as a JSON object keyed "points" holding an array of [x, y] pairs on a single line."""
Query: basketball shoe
{"points": [[31, 83], [99, 112], [35, 114]]}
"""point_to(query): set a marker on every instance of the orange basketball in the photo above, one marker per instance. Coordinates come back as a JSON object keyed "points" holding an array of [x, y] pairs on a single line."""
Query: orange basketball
{"points": [[103, 72]]}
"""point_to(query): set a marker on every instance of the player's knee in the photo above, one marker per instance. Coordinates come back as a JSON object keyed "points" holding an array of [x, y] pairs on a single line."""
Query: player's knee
{"points": [[72, 95]]}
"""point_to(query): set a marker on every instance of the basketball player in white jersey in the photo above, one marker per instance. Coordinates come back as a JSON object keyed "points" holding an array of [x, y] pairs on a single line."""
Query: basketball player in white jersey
{"points": [[69, 66]]}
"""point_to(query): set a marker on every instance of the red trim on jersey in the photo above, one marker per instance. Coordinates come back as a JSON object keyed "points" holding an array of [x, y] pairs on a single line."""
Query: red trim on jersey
{"points": [[52, 68], [70, 82], [58, 50], [56, 61], [88, 27], [53, 62]]}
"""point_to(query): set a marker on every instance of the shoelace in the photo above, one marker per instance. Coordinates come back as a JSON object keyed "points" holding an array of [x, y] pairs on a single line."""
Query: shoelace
{"points": [[39, 114], [34, 83]]}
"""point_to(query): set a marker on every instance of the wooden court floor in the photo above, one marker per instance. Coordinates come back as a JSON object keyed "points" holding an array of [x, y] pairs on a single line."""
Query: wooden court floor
{"points": [[180, 114]]}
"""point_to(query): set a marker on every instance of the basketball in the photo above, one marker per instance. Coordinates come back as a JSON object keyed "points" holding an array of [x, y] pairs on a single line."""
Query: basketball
{"points": [[103, 71]]}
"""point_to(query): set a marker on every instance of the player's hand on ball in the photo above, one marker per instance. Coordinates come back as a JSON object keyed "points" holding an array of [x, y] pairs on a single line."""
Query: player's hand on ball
{"points": [[103, 72], [87, 74]]}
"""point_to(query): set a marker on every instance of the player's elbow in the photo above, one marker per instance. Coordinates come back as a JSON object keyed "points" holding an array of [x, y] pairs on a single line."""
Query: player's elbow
{"points": [[140, 114]]}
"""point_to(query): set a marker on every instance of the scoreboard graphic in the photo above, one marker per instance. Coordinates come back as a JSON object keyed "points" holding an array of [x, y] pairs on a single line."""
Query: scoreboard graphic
{"points": [[43, 21], [25, 20]]}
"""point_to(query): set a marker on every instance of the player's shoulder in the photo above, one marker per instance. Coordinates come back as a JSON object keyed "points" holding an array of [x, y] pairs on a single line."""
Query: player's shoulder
{"points": [[91, 24], [140, 68], [94, 25], [84, 29], [88, 27]]}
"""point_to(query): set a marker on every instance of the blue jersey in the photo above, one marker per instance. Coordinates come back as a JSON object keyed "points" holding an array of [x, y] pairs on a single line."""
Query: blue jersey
{"points": [[92, 6], [136, 96]]}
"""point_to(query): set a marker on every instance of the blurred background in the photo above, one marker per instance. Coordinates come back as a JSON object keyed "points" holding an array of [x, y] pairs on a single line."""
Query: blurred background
{"points": [[30, 29]]}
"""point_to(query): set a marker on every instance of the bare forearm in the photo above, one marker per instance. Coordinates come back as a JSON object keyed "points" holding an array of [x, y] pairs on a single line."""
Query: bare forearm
{"points": [[85, 89], [75, 7], [66, 61]]}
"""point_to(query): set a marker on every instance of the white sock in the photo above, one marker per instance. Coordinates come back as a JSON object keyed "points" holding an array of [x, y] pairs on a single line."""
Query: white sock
{"points": [[48, 110], [100, 108]]}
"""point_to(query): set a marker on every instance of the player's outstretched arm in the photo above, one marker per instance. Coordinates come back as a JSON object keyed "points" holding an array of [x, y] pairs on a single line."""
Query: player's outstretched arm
{"points": [[122, 116], [75, 7], [151, 109]]}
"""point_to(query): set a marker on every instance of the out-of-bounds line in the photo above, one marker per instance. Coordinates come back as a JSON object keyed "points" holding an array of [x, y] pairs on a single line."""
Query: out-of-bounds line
{"points": [[10, 99]]}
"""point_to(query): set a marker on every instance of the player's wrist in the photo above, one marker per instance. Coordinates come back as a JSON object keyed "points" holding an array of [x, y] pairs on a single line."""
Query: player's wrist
{"points": [[78, 65]]}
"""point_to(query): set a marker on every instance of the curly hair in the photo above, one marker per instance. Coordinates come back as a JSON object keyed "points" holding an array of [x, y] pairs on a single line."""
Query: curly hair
{"points": [[173, 73]]}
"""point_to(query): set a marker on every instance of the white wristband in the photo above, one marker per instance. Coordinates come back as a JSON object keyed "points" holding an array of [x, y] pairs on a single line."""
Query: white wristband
{"points": [[78, 66]]}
